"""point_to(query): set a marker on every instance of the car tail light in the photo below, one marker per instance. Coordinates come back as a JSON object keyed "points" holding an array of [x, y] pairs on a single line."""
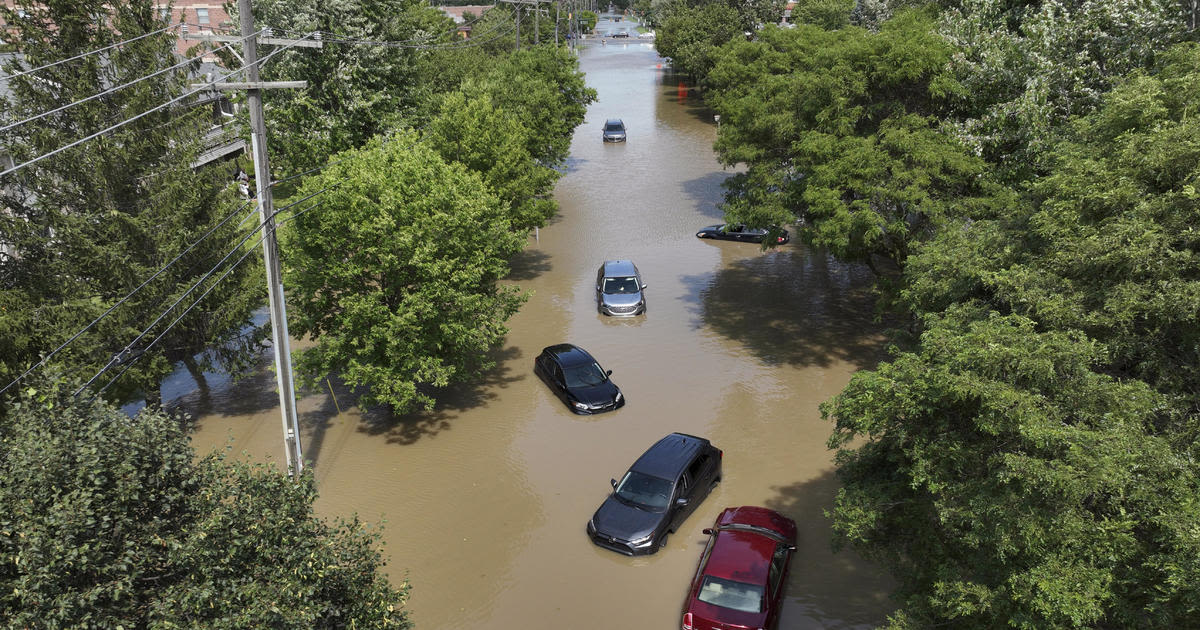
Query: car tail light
{"points": [[780, 239], [687, 621]]}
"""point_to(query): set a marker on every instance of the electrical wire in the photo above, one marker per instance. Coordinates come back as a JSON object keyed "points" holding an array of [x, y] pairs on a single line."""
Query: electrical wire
{"points": [[145, 113], [118, 88], [121, 357], [87, 54], [126, 298]]}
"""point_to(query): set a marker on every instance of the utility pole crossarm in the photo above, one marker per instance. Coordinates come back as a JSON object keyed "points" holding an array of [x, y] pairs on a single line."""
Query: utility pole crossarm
{"points": [[272, 41], [226, 86]]}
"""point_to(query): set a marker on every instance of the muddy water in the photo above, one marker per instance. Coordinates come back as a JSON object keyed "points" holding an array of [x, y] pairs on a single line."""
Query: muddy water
{"points": [[485, 499]]}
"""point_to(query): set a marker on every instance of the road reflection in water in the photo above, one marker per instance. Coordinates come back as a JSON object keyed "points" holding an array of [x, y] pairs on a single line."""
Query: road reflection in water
{"points": [[485, 497]]}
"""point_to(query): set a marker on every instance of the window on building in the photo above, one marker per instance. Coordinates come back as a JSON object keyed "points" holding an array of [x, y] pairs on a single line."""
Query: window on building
{"points": [[164, 13], [202, 17]]}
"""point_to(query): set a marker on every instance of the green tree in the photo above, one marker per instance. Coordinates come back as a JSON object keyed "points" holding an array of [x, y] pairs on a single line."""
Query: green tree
{"points": [[1032, 462], [587, 21], [110, 521], [410, 299], [493, 142], [356, 89], [841, 129], [691, 36], [827, 14], [1027, 67], [544, 89], [85, 227]]}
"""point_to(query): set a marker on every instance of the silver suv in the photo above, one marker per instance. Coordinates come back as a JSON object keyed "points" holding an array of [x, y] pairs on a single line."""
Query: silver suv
{"points": [[619, 289]]}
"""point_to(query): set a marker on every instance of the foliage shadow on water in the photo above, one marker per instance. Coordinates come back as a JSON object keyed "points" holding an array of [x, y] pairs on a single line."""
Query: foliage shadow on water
{"points": [[409, 428], [792, 306], [528, 265], [835, 591], [704, 189], [677, 89]]}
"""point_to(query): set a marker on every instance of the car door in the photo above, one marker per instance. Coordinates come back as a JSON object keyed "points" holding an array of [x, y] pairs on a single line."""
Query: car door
{"points": [[559, 381], [703, 472], [777, 577], [683, 490]]}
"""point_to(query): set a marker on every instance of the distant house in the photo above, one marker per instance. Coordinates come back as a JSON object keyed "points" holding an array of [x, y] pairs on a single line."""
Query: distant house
{"points": [[457, 13], [197, 15]]}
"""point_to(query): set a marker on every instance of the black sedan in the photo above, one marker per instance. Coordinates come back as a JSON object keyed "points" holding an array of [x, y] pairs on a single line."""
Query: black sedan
{"points": [[576, 378], [739, 232]]}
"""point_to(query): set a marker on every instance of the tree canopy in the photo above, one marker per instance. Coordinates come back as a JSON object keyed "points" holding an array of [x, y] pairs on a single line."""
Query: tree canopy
{"points": [[84, 228], [111, 521], [411, 300]]}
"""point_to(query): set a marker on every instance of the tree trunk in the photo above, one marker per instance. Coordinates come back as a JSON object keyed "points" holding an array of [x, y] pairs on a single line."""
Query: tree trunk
{"points": [[193, 368]]}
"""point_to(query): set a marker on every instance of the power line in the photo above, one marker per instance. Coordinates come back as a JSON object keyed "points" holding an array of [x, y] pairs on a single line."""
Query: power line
{"points": [[93, 97], [86, 54], [122, 356], [143, 114], [126, 298]]}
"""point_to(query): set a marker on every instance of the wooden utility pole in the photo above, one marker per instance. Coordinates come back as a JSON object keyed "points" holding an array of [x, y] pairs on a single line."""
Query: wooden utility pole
{"points": [[266, 212]]}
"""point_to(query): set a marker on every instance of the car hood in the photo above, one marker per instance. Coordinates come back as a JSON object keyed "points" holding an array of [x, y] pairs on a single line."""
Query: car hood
{"points": [[597, 394], [621, 299], [625, 522]]}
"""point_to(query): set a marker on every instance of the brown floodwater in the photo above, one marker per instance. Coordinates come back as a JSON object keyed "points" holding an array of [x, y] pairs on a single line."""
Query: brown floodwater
{"points": [[484, 499]]}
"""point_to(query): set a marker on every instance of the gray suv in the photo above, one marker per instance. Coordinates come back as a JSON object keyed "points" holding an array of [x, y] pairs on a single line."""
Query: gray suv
{"points": [[619, 289]]}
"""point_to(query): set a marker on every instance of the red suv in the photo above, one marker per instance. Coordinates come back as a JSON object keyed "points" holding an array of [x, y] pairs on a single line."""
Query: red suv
{"points": [[739, 583]]}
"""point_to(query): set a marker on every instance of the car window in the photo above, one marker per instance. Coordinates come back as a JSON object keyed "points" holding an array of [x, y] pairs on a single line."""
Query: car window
{"points": [[585, 375], [644, 490], [619, 286], [778, 561], [730, 594], [613, 127], [558, 373], [697, 467]]}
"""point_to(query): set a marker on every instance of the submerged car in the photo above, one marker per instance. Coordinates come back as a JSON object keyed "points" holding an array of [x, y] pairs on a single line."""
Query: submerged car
{"points": [[659, 491], [621, 34], [619, 289], [614, 130], [740, 580], [577, 379], [739, 232]]}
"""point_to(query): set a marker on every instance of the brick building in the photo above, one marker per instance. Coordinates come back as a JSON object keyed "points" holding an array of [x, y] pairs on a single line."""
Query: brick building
{"points": [[198, 15]]}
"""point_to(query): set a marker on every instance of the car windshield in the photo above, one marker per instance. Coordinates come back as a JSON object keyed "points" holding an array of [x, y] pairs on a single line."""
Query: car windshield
{"points": [[729, 594], [584, 375], [644, 490], [621, 285], [613, 127]]}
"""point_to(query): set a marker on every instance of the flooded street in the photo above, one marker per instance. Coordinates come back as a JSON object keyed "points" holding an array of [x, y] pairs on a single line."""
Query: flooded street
{"points": [[485, 499]]}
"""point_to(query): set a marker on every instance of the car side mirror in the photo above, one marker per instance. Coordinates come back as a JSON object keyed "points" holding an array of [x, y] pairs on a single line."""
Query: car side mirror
{"points": [[708, 531], [791, 547], [613, 482], [608, 373], [681, 501], [644, 286]]}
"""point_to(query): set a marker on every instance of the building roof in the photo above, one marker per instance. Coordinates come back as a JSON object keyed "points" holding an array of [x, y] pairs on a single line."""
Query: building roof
{"points": [[456, 13]]}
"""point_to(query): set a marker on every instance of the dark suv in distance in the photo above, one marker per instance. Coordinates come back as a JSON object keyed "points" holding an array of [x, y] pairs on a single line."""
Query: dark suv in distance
{"points": [[659, 491], [614, 130]]}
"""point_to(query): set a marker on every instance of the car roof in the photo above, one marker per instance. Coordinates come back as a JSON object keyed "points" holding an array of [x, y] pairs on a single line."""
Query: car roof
{"points": [[669, 456], [619, 268], [752, 516], [741, 556], [613, 121], [569, 354]]}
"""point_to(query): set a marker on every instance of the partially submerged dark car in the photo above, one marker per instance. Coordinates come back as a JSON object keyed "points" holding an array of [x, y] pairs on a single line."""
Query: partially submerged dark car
{"points": [[577, 379], [739, 232], [659, 491]]}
